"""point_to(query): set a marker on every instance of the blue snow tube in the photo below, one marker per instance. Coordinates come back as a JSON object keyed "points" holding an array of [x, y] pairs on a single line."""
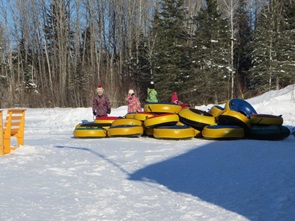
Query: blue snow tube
{"points": [[241, 106]]}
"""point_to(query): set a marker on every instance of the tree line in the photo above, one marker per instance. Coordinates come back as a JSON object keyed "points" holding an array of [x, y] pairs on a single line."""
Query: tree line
{"points": [[54, 53]]}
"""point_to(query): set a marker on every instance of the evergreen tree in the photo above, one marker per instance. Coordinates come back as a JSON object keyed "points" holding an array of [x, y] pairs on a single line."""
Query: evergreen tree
{"points": [[260, 53], [242, 60], [273, 47], [169, 63], [287, 44], [210, 80]]}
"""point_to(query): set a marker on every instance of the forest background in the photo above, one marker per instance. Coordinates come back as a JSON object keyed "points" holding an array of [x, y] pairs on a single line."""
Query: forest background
{"points": [[54, 53]]}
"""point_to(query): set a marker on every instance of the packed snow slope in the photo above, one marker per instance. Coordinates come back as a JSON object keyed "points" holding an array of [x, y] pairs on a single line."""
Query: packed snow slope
{"points": [[57, 177]]}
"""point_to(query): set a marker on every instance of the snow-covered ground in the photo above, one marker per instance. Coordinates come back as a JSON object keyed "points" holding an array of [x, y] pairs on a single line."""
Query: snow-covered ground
{"points": [[57, 177]]}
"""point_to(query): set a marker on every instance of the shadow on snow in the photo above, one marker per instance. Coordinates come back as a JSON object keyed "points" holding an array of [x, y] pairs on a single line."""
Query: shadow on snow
{"points": [[255, 181]]}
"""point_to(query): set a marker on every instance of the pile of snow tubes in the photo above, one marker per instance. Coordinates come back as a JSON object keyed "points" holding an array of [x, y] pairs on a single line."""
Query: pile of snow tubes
{"points": [[236, 120]]}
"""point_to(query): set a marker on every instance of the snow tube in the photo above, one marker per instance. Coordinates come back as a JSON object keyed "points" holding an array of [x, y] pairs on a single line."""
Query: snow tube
{"points": [[216, 110], [130, 115], [266, 119], [198, 133], [161, 120], [124, 121], [271, 132], [231, 117], [240, 105], [195, 118], [107, 121], [125, 131], [89, 130], [139, 115], [224, 132], [162, 108], [174, 132]]}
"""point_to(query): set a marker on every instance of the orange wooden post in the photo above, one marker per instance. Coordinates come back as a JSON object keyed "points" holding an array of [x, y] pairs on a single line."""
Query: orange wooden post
{"points": [[14, 127], [7, 133], [1, 135]]}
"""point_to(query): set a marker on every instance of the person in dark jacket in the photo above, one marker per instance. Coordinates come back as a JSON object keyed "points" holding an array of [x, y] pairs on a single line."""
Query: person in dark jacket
{"points": [[101, 105]]}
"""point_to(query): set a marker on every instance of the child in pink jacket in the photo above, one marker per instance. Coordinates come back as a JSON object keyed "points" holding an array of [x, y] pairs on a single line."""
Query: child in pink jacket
{"points": [[133, 102]]}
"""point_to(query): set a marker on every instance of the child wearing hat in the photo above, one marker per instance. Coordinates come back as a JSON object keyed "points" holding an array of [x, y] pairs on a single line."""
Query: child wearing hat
{"points": [[101, 106], [133, 102], [151, 93]]}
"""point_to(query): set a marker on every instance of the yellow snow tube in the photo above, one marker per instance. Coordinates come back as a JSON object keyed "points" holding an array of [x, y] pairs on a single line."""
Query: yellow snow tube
{"points": [[161, 119], [106, 121], [198, 133], [266, 119], [125, 121], [84, 131], [174, 132], [139, 115], [215, 110], [130, 115], [198, 119], [231, 117], [223, 132], [125, 131], [162, 108]]}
